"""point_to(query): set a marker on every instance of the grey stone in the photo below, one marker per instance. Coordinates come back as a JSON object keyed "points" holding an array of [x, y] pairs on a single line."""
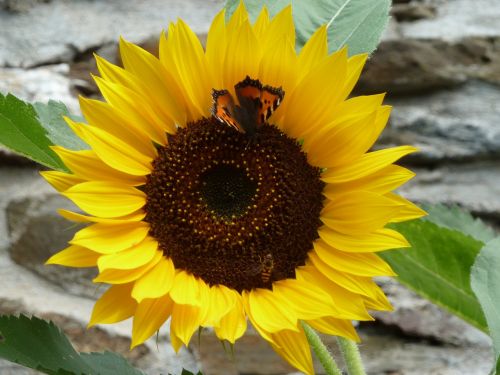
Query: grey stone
{"points": [[450, 125], [475, 187], [408, 66], [61, 30], [418, 317], [413, 11], [40, 84], [10, 158], [456, 19], [37, 231], [383, 351], [402, 66]]}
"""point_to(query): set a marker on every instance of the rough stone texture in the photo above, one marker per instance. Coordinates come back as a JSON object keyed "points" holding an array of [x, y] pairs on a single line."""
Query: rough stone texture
{"points": [[61, 30], [456, 19], [475, 187], [384, 351], [37, 231], [460, 40], [40, 84], [417, 317], [458, 124]]}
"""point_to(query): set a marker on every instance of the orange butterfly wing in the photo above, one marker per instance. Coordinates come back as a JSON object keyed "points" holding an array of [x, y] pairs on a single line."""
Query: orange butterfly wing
{"points": [[270, 99], [255, 105], [223, 108]]}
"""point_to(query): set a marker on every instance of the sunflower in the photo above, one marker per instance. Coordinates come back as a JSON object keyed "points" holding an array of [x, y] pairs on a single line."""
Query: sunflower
{"points": [[234, 183]]}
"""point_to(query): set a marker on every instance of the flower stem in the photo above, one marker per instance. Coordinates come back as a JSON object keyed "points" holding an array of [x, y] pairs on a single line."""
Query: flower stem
{"points": [[351, 355], [321, 351]]}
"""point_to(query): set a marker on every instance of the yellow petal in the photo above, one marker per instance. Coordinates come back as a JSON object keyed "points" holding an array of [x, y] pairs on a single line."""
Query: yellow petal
{"points": [[335, 327], [361, 264], [314, 52], [409, 210], [219, 301], [186, 289], [79, 218], [116, 276], [378, 301], [280, 26], [359, 212], [157, 282], [61, 181], [277, 69], [349, 305], [355, 284], [188, 57], [294, 348], [380, 182], [158, 79], [185, 320], [261, 23], [366, 165], [88, 166], [215, 49], [135, 108], [110, 238], [381, 239], [123, 120], [106, 199], [74, 256], [124, 78], [114, 306], [239, 16], [308, 301], [323, 97], [113, 151], [270, 311], [233, 325], [133, 258], [354, 67], [245, 299], [149, 317], [243, 55], [349, 140]]}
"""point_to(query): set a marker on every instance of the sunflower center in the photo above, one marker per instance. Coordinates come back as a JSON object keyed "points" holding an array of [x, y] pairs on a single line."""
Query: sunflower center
{"points": [[232, 209], [227, 190]]}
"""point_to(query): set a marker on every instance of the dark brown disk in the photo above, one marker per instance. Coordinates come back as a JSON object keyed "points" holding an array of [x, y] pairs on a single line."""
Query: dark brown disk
{"points": [[234, 210]]}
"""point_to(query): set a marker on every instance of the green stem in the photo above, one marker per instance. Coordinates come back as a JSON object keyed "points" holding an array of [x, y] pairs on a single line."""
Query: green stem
{"points": [[351, 355], [321, 351]]}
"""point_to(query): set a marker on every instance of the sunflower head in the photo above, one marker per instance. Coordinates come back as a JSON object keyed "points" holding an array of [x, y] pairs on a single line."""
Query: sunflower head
{"points": [[234, 182]]}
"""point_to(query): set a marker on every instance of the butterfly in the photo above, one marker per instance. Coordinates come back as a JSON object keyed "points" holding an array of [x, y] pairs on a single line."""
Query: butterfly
{"points": [[256, 103]]}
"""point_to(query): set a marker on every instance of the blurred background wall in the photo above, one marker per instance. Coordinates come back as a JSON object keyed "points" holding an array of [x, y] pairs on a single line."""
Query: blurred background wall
{"points": [[439, 62]]}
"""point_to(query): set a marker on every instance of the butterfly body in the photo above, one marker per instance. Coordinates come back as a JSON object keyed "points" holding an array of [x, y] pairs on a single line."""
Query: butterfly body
{"points": [[255, 104]]}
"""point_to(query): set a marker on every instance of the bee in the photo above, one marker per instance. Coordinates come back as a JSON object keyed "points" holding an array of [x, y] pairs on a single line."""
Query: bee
{"points": [[266, 267]]}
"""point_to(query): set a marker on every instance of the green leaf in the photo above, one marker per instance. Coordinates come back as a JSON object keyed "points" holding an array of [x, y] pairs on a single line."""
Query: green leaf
{"points": [[437, 266], [356, 23], [456, 218], [51, 118], [485, 282], [38, 344], [109, 363], [21, 132]]}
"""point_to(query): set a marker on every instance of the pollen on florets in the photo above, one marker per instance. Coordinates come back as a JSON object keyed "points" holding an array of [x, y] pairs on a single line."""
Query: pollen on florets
{"points": [[234, 210]]}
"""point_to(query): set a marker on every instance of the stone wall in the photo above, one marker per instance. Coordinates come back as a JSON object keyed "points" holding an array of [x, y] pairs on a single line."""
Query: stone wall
{"points": [[439, 61]]}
